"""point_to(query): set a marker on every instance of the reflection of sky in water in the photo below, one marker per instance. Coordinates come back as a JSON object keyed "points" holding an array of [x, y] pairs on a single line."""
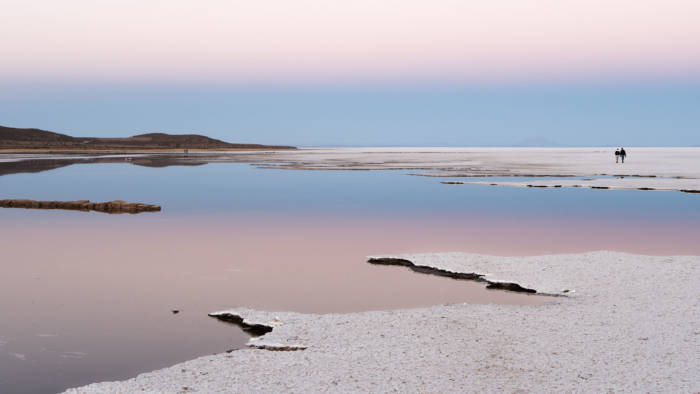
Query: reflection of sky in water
{"points": [[226, 188]]}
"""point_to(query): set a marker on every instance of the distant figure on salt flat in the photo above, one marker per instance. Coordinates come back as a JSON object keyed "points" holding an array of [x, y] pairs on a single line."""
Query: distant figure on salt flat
{"points": [[617, 155], [623, 154]]}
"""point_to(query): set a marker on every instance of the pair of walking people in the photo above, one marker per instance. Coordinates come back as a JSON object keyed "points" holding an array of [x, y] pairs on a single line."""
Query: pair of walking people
{"points": [[620, 154]]}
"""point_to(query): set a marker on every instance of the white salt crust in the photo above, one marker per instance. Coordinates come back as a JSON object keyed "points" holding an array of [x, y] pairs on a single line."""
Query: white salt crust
{"points": [[688, 185], [652, 168], [679, 167], [663, 162], [629, 323]]}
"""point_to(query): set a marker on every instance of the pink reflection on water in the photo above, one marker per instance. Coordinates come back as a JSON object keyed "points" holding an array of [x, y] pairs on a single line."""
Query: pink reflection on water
{"points": [[105, 286], [308, 264]]}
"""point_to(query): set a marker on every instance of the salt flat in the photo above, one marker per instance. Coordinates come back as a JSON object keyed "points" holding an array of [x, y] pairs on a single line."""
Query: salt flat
{"points": [[662, 162], [626, 323], [645, 168]]}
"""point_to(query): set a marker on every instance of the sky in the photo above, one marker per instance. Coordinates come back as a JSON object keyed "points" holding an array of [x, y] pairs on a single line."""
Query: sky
{"points": [[362, 72]]}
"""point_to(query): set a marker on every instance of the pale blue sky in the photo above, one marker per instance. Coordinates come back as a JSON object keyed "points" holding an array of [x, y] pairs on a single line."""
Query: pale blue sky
{"points": [[362, 72], [641, 114]]}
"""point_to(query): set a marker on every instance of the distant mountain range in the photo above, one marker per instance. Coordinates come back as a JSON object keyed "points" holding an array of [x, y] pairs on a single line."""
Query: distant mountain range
{"points": [[35, 139]]}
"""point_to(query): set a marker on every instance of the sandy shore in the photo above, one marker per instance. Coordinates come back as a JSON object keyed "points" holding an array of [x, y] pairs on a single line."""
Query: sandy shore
{"points": [[625, 322]]}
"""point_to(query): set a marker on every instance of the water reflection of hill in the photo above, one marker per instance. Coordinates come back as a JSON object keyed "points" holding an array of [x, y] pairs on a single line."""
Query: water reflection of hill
{"points": [[40, 165]]}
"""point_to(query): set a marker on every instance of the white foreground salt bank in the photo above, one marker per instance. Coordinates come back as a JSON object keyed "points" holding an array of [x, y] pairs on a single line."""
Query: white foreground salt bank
{"points": [[632, 324]]}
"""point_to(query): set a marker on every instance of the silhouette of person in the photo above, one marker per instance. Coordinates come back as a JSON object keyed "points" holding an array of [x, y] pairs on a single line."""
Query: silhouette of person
{"points": [[617, 155], [623, 154]]}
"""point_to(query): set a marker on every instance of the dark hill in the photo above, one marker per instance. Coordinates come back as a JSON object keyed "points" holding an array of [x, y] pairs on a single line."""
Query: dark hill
{"points": [[13, 134], [13, 138]]}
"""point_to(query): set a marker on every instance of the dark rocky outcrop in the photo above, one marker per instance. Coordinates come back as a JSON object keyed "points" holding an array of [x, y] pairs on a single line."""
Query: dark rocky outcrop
{"points": [[113, 207], [510, 287], [255, 330], [424, 269], [454, 275]]}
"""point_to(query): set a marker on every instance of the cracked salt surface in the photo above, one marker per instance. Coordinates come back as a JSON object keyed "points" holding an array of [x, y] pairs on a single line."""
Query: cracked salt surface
{"points": [[631, 325]]}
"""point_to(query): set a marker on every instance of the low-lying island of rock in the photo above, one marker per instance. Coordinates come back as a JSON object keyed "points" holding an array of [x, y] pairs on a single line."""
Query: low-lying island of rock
{"points": [[116, 206]]}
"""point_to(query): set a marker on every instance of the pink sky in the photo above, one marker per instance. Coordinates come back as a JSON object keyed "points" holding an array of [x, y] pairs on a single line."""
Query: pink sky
{"points": [[369, 40]]}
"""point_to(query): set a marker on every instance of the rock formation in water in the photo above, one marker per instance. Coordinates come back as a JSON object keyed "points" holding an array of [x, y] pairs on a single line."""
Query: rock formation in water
{"points": [[116, 206]]}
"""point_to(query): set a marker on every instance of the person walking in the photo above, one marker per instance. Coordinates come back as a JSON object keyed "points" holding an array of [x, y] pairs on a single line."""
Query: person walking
{"points": [[617, 155], [623, 154]]}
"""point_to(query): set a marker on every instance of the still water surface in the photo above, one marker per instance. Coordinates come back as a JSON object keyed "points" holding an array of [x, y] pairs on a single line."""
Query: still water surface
{"points": [[88, 296]]}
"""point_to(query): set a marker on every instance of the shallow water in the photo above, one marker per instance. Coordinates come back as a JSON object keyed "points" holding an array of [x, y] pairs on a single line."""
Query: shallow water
{"points": [[87, 296]]}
